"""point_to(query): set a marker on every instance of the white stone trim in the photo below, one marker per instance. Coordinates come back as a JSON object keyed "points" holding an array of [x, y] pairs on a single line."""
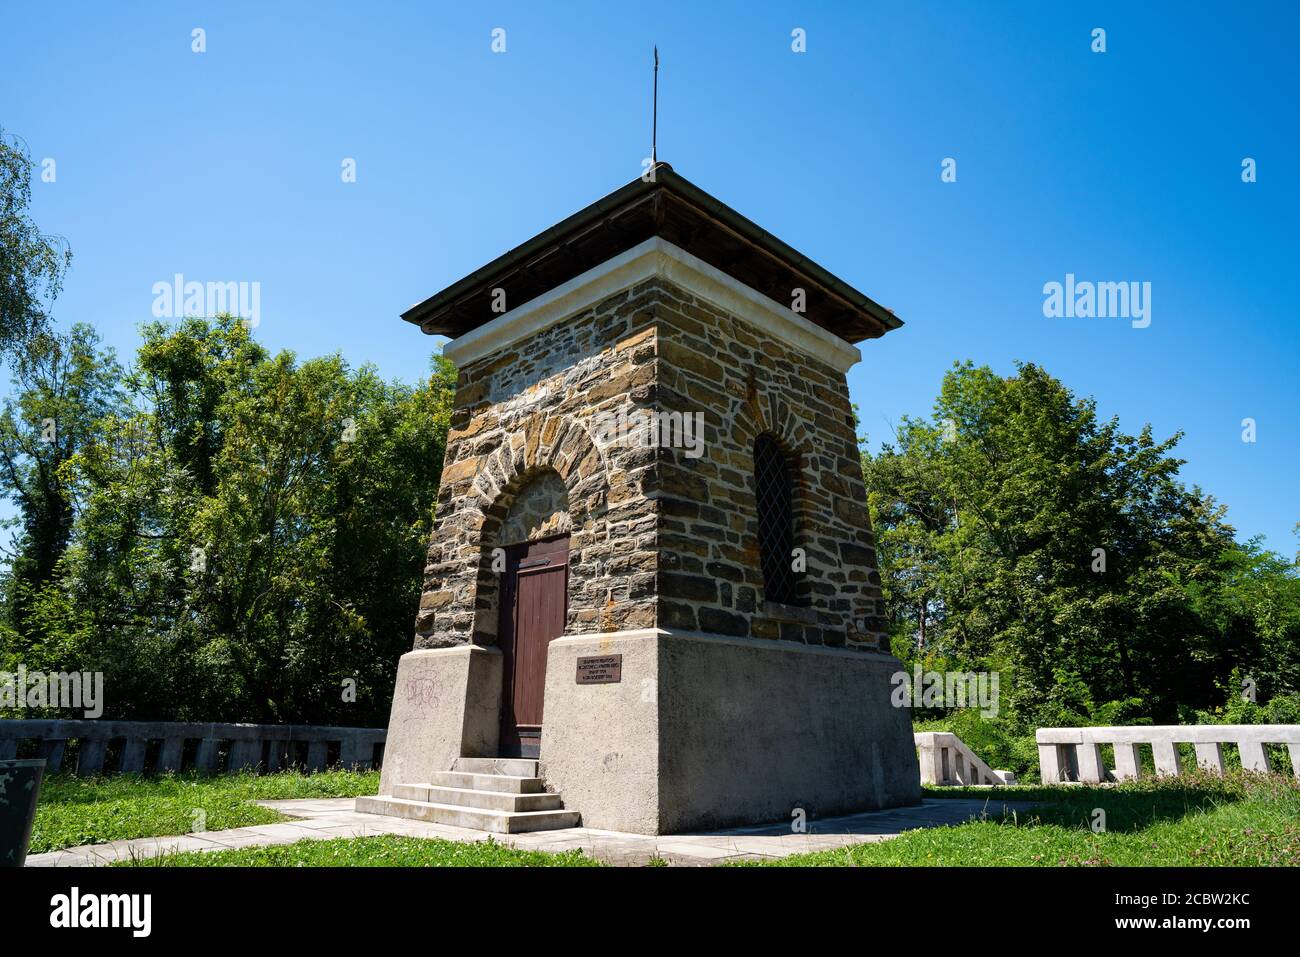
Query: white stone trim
{"points": [[452, 650], [612, 635], [654, 257], [761, 644]]}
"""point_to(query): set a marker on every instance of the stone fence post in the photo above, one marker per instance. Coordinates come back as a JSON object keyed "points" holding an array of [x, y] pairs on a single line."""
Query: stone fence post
{"points": [[1074, 754]]}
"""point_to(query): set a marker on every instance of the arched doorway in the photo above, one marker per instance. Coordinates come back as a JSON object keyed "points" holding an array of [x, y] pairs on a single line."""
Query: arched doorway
{"points": [[533, 606]]}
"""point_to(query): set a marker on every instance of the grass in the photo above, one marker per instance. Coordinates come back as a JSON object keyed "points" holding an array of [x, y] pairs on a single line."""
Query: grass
{"points": [[1243, 819], [75, 811], [384, 851]]}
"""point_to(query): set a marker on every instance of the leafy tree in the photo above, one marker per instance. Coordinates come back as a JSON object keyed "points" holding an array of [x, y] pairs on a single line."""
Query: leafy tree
{"points": [[1253, 605], [32, 264], [1017, 530], [251, 530], [64, 384]]}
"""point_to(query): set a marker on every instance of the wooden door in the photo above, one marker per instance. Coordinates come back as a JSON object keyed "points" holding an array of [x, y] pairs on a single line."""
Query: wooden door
{"points": [[534, 605]]}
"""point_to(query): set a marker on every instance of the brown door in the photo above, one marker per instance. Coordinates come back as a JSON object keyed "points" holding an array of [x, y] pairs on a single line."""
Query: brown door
{"points": [[534, 603]]}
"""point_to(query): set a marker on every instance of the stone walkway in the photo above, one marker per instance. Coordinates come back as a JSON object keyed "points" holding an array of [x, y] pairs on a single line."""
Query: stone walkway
{"points": [[328, 818]]}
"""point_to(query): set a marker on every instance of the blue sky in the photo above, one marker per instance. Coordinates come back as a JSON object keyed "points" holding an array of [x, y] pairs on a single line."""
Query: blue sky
{"points": [[1115, 166]]}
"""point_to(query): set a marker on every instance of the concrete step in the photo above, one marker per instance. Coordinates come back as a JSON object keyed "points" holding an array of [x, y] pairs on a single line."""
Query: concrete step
{"points": [[486, 782], [512, 767], [470, 797], [479, 819]]}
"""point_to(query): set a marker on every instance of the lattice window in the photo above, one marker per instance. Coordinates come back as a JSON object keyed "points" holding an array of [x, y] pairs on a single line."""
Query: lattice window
{"points": [[774, 490]]}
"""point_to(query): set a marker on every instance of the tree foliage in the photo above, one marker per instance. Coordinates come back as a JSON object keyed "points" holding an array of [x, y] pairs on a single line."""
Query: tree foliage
{"points": [[32, 264], [63, 386], [250, 531], [1018, 531]]}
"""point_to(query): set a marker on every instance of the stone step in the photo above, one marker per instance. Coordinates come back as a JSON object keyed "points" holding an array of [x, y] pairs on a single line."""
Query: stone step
{"points": [[486, 782], [511, 767], [469, 797], [479, 819]]}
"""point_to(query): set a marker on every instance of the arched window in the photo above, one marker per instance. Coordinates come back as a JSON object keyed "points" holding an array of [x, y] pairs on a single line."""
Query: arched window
{"points": [[774, 490]]}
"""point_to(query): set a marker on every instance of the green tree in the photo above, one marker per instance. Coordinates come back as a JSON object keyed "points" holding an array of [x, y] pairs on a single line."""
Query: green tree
{"points": [[32, 264], [252, 533], [63, 385], [1018, 530]]}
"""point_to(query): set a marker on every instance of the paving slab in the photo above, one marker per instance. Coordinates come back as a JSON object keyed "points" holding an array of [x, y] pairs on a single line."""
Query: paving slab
{"points": [[320, 819]]}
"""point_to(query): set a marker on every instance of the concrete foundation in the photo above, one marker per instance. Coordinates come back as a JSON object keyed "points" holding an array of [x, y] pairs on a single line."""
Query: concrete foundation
{"points": [[446, 705], [600, 742], [706, 731]]}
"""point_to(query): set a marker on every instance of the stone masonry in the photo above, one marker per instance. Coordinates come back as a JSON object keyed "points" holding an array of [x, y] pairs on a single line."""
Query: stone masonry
{"points": [[659, 537], [520, 417]]}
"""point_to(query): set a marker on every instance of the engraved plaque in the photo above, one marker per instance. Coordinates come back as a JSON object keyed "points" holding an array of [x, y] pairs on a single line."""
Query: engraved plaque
{"points": [[600, 669]]}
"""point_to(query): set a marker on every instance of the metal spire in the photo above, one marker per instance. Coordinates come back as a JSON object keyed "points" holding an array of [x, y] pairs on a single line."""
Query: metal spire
{"points": [[654, 122]]}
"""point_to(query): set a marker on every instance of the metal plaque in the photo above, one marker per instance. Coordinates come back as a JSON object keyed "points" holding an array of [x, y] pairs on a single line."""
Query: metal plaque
{"points": [[600, 670]]}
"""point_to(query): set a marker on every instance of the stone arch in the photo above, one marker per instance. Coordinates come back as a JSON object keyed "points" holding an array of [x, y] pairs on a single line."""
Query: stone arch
{"points": [[552, 442], [555, 458], [765, 413], [540, 509]]}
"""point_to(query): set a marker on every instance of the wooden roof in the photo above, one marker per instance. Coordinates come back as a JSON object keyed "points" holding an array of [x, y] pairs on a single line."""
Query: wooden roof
{"points": [[681, 213]]}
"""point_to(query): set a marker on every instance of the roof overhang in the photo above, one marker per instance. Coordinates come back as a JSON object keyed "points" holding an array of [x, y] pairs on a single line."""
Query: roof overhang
{"points": [[681, 213], [656, 257]]}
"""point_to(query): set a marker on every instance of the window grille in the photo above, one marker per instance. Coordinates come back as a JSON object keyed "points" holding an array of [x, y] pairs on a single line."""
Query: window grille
{"points": [[774, 488]]}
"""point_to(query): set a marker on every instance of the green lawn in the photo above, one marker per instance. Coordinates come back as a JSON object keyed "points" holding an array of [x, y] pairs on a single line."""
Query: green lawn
{"points": [[384, 851], [1241, 820], [74, 811]]}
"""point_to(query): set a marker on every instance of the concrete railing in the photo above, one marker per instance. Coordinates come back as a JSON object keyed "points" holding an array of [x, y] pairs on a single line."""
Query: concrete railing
{"points": [[1074, 754], [946, 760], [173, 746]]}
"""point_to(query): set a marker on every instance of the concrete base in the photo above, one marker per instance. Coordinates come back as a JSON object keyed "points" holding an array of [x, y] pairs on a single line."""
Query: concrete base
{"points": [[600, 742], [706, 731], [446, 705]]}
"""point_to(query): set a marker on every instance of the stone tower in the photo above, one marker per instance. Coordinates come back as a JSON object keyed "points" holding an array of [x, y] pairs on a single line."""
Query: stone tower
{"points": [[652, 574]]}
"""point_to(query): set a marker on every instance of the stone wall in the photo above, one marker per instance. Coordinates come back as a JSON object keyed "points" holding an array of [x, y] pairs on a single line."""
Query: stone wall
{"points": [[659, 536], [748, 382], [134, 747], [526, 413]]}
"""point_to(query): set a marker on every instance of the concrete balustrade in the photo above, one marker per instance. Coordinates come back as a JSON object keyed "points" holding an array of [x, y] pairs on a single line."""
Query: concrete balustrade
{"points": [[1074, 754], [947, 761], [248, 747]]}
